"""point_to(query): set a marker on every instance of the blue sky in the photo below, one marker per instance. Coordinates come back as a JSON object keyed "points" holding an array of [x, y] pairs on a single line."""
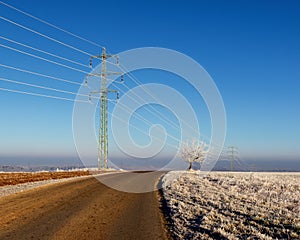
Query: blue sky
{"points": [[250, 48]]}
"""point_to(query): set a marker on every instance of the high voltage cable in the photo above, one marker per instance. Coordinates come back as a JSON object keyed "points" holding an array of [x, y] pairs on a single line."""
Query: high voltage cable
{"points": [[40, 74], [43, 87], [63, 98], [44, 59], [74, 100], [137, 101], [45, 95], [150, 106], [171, 145], [42, 95], [19, 25], [141, 117], [42, 51], [48, 88], [161, 115], [52, 25], [63, 91], [67, 67], [67, 45], [166, 120], [45, 36], [148, 123], [176, 127], [47, 23], [157, 113]]}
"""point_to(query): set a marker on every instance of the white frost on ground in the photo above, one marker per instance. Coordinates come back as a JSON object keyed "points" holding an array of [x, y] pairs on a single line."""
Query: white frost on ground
{"points": [[226, 205]]}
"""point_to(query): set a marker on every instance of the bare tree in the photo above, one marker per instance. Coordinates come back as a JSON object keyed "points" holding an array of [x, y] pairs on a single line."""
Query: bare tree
{"points": [[196, 151]]}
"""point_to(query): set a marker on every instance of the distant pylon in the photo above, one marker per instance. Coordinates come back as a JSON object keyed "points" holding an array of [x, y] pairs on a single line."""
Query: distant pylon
{"points": [[103, 128], [232, 152]]}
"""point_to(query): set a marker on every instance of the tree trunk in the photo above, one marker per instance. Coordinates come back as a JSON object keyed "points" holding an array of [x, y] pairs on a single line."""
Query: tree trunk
{"points": [[190, 166]]}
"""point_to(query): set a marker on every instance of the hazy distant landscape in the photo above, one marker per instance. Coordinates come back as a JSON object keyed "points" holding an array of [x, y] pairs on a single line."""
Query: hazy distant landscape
{"points": [[51, 165]]}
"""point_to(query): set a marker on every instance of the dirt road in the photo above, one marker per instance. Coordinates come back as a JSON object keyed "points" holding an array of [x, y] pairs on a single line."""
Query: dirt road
{"points": [[85, 209]]}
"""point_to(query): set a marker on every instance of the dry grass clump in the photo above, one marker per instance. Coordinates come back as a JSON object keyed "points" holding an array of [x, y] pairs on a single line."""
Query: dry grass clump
{"points": [[234, 206]]}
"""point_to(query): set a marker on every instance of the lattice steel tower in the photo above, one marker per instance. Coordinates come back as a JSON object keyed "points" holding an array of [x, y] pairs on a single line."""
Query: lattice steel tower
{"points": [[233, 152], [103, 125]]}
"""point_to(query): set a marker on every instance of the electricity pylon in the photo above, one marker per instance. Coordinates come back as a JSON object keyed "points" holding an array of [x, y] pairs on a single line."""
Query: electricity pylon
{"points": [[232, 152], [103, 91]]}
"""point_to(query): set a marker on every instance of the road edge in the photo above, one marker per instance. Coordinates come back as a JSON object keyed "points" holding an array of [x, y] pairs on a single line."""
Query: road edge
{"points": [[164, 209]]}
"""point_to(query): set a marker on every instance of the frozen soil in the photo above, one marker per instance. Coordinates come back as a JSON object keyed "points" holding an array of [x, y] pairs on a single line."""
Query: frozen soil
{"points": [[225, 205], [15, 182], [25, 177], [12, 189]]}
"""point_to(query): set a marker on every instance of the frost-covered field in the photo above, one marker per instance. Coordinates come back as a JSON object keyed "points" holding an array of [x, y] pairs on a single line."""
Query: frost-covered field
{"points": [[233, 205]]}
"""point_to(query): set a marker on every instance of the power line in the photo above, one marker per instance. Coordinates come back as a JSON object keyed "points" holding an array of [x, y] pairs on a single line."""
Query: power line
{"points": [[157, 113], [19, 25], [67, 99], [148, 123], [133, 126], [74, 100], [40, 74], [51, 25], [47, 88], [142, 118], [247, 166], [41, 58], [45, 52], [64, 66], [161, 115], [41, 95], [45, 36], [43, 87], [166, 120]]}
